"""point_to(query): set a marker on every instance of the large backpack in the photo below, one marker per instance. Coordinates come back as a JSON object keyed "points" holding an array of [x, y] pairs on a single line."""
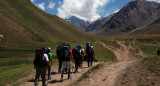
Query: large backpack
{"points": [[59, 51], [40, 60], [65, 53], [89, 49], [75, 52]]}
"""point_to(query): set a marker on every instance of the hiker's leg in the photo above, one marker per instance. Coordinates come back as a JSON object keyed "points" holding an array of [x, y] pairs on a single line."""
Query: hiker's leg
{"points": [[69, 72], [37, 75], [64, 67], [62, 73], [60, 65], [76, 66], [69, 68], [49, 72], [88, 61], [91, 60], [43, 75]]}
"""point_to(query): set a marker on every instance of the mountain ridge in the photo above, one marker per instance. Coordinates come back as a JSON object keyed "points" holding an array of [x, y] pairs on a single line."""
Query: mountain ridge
{"points": [[134, 15]]}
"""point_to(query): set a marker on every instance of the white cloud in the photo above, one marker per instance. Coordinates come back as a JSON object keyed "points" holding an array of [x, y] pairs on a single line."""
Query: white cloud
{"points": [[107, 14], [116, 11], [32, 0], [59, 2], [51, 5], [41, 6], [84, 9], [155, 0]]}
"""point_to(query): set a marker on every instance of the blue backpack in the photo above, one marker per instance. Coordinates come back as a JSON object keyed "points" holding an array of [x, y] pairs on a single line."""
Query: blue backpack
{"points": [[65, 53]]}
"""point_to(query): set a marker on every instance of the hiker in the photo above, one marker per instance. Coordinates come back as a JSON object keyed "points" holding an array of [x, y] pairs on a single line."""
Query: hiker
{"points": [[59, 55], [76, 58], [41, 63], [50, 62], [66, 58], [81, 54], [89, 53]]}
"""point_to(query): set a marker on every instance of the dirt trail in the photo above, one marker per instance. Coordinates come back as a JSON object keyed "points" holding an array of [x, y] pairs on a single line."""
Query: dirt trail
{"points": [[55, 81], [107, 75]]}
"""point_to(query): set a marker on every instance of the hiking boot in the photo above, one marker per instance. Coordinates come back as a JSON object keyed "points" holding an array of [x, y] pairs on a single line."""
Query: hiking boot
{"points": [[61, 79], [36, 84], [69, 77]]}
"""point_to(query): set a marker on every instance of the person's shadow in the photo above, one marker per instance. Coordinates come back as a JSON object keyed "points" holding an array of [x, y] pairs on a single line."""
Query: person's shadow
{"points": [[54, 73], [57, 81]]}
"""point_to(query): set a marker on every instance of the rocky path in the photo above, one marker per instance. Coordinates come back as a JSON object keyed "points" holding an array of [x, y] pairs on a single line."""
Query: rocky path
{"points": [[107, 75]]}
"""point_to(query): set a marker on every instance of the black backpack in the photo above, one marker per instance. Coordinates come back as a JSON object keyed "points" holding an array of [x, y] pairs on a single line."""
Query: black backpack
{"points": [[75, 52], [59, 51], [65, 53], [40, 60], [89, 49]]}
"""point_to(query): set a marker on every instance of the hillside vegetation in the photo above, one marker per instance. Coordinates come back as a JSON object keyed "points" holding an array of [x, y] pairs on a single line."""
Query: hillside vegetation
{"points": [[23, 25], [152, 28]]}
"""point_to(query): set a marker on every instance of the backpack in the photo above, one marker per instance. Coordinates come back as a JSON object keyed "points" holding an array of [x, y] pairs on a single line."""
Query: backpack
{"points": [[75, 52], [65, 52], [40, 60], [58, 51], [89, 49]]}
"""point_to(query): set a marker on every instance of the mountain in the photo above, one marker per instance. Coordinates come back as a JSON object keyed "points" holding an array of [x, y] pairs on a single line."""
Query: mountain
{"points": [[153, 28], [24, 26], [134, 15], [77, 22], [96, 25]]}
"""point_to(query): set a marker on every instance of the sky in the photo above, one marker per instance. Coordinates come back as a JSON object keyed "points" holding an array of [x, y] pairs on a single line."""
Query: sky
{"points": [[88, 10]]}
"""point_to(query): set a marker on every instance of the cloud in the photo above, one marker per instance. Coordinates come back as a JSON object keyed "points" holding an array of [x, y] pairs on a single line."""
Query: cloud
{"points": [[84, 9], [41, 6], [32, 0], [107, 14], [51, 5], [155, 0], [116, 11], [59, 2]]}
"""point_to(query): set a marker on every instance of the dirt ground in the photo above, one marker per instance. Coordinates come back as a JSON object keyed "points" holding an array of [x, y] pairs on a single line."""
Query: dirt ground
{"points": [[126, 71], [55, 77], [108, 74]]}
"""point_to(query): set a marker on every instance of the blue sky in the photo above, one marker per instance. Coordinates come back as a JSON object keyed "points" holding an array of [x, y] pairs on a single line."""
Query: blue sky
{"points": [[89, 10]]}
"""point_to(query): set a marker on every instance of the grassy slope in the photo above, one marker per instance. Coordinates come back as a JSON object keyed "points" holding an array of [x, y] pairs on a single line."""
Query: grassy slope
{"points": [[153, 28], [44, 28]]}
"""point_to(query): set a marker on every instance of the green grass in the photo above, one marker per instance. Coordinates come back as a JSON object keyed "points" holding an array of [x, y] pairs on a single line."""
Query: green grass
{"points": [[10, 57], [10, 74], [148, 49], [103, 54]]}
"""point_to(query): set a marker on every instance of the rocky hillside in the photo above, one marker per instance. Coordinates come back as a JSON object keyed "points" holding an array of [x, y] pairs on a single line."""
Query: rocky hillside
{"points": [[134, 15], [153, 28]]}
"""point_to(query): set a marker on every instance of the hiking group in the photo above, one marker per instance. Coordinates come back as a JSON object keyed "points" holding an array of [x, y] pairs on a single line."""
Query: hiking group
{"points": [[66, 57]]}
